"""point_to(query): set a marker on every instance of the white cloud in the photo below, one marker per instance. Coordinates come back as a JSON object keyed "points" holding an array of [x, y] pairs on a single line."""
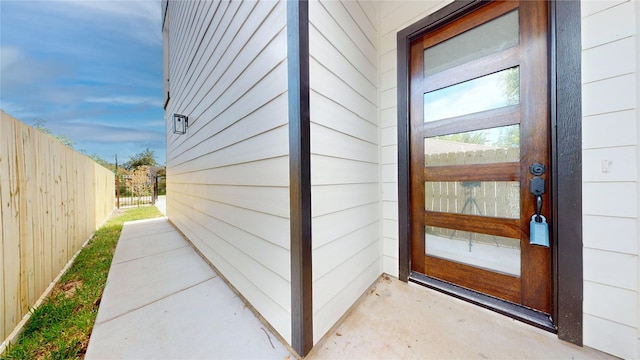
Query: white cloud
{"points": [[125, 100], [19, 69], [140, 19], [9, 55], [88, 131], [147, 9], [15, 110]]}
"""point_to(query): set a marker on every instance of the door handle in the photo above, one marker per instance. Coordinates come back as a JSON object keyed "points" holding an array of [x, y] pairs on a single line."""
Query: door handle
{"points": [[538, 227], [537, 187]]}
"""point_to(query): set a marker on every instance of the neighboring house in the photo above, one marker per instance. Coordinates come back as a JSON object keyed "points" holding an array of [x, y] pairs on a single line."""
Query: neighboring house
{"points": [[301, 176]]}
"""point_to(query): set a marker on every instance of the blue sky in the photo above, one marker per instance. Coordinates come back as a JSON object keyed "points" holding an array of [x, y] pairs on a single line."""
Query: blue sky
{"points": [[91, 69]]}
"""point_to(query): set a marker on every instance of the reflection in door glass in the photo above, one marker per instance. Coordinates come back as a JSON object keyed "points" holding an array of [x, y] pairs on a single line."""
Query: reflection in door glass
{"points": [[488, 92], [499, 199], [501, 144], [498, 34], [490, 252]]}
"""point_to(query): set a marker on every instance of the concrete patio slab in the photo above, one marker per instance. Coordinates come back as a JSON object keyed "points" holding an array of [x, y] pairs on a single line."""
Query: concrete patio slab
{"points": [[162, 301], [396, 320]]}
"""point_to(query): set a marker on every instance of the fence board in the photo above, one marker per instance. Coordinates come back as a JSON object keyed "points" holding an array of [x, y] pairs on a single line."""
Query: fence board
{"points": [[51, 200], [10, 229], [4, 194]]}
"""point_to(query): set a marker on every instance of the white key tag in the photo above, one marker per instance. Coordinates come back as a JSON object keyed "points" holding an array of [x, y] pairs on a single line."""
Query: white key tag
{"points": [[539, 231]]}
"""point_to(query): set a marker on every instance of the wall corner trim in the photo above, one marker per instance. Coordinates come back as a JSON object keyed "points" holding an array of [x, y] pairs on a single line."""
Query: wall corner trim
{"points": [[566, 107], [300, 176]]}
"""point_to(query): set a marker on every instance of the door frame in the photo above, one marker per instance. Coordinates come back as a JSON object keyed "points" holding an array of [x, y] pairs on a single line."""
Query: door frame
{"points": [[566, 169]]}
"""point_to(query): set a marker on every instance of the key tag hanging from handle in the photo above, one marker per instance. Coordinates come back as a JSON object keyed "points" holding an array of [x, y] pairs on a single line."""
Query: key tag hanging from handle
{"points": [[538, 227]]}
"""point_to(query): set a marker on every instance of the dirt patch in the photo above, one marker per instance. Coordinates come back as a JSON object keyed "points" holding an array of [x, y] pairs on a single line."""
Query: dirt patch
{"points": [[83, 346], [69, 288], [116, 213]]}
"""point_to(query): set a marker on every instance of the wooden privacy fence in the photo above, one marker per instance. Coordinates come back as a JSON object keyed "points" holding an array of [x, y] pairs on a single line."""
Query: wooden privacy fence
{"points": [[52, 200]]}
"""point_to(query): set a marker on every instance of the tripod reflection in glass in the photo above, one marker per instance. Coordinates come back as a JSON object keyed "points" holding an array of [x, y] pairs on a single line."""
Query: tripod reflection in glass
{"points": [[471, 202]]}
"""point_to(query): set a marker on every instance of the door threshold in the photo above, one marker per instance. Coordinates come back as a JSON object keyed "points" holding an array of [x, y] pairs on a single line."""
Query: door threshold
{"points": [[514, 311]]}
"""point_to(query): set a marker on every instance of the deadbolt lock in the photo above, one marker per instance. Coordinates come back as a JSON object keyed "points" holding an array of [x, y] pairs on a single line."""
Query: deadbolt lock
{"points": [[537, 169]]}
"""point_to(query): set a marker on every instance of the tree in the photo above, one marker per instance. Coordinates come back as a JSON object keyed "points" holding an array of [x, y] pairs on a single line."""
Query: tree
{"points": [[97, 158], [41, 124], [161, 176], [509, 137], [471, 137], [510, 84], [140, 182], [146, 157]]}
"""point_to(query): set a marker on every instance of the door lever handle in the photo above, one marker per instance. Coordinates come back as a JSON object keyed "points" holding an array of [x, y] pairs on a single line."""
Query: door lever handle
{"points": [[538, 208]]}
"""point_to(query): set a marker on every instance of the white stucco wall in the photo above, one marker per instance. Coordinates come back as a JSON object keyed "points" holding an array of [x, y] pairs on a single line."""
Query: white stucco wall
{"points": [[344, 156], [228, 176], [610, 74]]}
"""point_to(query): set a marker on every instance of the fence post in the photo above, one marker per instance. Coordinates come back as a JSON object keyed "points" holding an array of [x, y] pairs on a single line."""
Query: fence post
{"points": [[117, 190], [155, 190]]}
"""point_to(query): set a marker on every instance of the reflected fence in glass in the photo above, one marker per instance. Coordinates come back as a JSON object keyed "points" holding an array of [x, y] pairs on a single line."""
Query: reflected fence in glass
{"points": [[495, 145], [500, 199]]}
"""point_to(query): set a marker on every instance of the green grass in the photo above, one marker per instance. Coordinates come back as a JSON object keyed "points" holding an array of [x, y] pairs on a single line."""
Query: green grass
{"points": [[61, 326]]}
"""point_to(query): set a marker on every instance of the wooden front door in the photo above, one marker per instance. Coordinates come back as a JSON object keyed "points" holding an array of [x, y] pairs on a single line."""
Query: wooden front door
{"points": [[479, 112]]}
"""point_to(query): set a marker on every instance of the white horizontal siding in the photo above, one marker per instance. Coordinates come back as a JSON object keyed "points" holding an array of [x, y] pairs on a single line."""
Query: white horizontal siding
{"points": [[621, 129], [609, 336], [331, 143], [336, 171], [228, 176], [342, 120], [611, 233], [394, 16], [610, 176], [364, 266], [244, 151], [227, 223], [338, 224], [238, 268], [247, 125], [244, 69], [605, 96], [608, 25], [344, 161]]}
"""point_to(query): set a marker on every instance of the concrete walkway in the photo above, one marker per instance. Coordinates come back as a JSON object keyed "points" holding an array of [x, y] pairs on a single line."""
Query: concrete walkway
{"points": [[162, 301], [161, 204]]}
